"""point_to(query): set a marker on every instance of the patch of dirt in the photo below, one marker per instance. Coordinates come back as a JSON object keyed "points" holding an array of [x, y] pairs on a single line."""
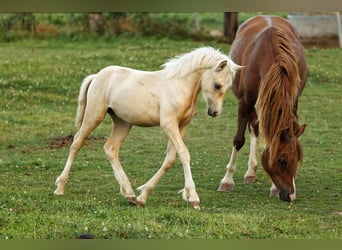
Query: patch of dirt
{"points": [[66, 140], [322, 43]]}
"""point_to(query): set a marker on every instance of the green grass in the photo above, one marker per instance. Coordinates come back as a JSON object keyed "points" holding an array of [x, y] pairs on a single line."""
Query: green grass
{"points": [[39, 84]]}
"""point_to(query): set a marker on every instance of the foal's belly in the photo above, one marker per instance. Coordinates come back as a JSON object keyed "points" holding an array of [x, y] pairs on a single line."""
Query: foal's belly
{"points": [[139, 114], [141, 119]]}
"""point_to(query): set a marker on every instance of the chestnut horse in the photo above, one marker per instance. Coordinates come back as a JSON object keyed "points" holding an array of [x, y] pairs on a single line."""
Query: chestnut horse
{"points": [[268, 89]]}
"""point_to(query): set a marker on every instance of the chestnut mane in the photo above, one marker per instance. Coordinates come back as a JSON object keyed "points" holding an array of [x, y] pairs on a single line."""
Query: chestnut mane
{"points": [[277, 99]]}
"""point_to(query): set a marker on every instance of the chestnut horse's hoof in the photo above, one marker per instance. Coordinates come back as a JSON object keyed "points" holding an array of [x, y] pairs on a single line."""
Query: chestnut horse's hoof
{"points": [[274, 193], [250, 179], [195, 205], [226, 187]]}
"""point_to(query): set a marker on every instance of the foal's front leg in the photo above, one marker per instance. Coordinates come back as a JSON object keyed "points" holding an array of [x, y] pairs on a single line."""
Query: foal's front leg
{"points": [[169, 160], [147, 188], [189, 192]]}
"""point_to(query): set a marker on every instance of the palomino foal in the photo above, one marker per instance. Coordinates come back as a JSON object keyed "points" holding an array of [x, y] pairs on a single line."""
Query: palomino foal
{"points": [[166, 98]]}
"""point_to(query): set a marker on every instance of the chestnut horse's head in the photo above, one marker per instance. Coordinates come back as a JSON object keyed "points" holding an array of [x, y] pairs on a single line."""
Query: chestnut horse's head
{"points": [[283, 168]]}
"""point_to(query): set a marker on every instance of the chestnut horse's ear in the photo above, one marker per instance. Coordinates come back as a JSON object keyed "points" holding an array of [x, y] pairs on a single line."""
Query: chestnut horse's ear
{"points": [[301, 130], [221, 65]]}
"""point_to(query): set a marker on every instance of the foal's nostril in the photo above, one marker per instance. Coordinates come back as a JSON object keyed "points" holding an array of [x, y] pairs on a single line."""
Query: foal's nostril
{"points": [[212, 113]]}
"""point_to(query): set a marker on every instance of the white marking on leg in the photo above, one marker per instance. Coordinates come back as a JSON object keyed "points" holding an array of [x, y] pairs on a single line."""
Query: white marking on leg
{"points": [[227, 183], [250, 175], [274, 192]]}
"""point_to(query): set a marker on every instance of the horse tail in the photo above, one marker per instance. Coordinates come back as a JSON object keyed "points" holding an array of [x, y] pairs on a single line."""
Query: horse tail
{"points": [[278, 93], [82, 99]]}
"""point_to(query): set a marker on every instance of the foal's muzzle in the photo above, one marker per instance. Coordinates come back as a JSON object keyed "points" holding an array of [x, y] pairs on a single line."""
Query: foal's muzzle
{"points": [[212, 113]]}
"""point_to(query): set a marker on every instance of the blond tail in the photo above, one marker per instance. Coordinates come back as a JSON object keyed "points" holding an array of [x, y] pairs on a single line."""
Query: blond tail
{"points": [[82, 99]]}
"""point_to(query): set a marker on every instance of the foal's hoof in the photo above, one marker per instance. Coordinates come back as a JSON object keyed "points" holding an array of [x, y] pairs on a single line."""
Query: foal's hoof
{"points": [[226, 187], [250, 179], [132, 200], [57, 193], [140, 204], [195, 205]]}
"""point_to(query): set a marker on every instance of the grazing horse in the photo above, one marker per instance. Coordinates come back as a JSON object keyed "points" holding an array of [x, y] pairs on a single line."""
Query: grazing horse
{"points": [[165, 98], [268, 88]]}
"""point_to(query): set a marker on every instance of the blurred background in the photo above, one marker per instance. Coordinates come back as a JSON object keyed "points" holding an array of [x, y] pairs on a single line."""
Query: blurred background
{"points": [[197, 26]]}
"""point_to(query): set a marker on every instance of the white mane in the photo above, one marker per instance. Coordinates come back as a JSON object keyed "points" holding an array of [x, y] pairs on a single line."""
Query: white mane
{"points": [[201, 58]]}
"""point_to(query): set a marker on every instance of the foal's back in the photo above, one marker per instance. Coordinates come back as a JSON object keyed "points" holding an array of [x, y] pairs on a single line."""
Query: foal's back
{"points": [[252, 48]]}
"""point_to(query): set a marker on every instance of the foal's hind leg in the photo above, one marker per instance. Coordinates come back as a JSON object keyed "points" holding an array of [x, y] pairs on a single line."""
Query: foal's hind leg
{"points": [[90, 122], [111, 148]]}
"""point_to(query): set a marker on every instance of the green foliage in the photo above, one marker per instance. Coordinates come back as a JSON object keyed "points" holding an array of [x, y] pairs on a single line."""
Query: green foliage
{"points": [[39, 85], [16, 26]]}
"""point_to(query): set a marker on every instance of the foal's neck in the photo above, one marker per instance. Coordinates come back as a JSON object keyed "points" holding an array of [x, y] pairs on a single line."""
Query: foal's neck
{"points": [[193, 81]]}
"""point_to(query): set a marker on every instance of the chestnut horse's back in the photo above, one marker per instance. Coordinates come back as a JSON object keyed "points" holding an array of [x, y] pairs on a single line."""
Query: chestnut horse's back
{"points": [[251, 49]]}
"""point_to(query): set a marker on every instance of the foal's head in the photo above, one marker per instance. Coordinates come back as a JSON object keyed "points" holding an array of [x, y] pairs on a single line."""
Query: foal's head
{"points": [[215, 82], [283, 168]]}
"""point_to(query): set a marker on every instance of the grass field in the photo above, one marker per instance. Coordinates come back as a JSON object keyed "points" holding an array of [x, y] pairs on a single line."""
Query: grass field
{"points": [[39, 84]]}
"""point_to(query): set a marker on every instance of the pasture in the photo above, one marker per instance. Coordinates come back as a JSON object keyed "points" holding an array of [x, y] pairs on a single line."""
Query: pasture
{"points": [[39, 85]]}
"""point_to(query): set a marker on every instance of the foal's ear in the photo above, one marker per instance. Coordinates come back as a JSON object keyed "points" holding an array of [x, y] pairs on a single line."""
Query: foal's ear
{"points": [[221, 65], [301, 130], [238, 67]]}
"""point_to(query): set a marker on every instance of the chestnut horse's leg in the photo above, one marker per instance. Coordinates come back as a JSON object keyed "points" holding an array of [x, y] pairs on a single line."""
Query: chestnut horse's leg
{"points": [[274, 191], [246, 114], [112, 146], [227, 183], [250, 175]]}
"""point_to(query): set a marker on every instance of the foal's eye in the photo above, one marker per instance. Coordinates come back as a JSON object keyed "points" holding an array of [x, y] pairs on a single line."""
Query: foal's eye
{"points": [[217, 86]]}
